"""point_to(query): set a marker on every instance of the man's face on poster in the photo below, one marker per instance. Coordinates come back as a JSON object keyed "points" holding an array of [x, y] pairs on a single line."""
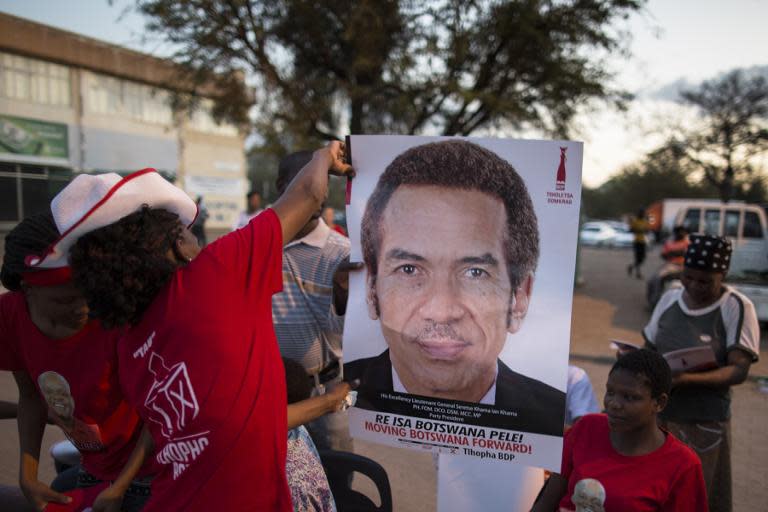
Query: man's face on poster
{"points": [[442, 289], [57, 395]]}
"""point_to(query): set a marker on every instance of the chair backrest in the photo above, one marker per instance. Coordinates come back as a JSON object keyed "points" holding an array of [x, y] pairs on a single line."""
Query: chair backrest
{"points": [[339, 468]]}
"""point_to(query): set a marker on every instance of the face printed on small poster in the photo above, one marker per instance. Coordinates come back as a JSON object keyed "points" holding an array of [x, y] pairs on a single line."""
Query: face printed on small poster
{"points": [[459, 325]]}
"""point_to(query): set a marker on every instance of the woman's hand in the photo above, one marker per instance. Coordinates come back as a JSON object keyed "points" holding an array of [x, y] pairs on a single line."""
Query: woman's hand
{"points": [[39, 495], [336, 152], [337, 394], [108, 500]]}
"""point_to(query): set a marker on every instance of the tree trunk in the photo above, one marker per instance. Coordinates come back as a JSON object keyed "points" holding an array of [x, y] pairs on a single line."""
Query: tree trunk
{"points": [[726, 186], [356, 116]]}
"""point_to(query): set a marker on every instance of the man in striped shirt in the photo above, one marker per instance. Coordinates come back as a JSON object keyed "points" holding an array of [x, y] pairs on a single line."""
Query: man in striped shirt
{"points": [[308, 313]]}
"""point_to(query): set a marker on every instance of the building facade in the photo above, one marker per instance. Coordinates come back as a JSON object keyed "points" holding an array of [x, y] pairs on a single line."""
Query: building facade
{"points": [[70, 104]]}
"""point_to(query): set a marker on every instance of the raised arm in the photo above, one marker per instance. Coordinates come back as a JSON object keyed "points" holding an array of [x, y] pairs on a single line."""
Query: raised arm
{"points": [[31, 420], [309, 188]]}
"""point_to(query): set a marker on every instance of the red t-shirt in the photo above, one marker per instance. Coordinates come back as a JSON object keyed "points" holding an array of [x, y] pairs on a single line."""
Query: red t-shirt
{"points": [[82, 384], [204, 370], [668, 479]]}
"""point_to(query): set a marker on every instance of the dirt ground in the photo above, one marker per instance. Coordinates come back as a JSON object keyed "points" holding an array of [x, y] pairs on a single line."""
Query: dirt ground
{"points": [[608, 305]]}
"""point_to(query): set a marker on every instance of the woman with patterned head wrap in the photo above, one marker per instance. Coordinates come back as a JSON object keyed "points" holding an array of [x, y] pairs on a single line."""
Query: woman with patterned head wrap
{"points": [[706, 313]]}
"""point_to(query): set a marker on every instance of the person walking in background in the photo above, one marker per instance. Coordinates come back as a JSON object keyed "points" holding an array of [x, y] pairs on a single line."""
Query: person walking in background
{"points": [[639, 226], [252, 209], [309, 313], [623, 460], [706, 313]]}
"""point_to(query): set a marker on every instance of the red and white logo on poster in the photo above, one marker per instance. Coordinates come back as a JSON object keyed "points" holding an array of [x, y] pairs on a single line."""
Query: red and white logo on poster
{"points": [[560, 195]]}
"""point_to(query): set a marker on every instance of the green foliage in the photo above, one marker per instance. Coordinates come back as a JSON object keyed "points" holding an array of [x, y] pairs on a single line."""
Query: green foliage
{"points": [[321, 69], [663, 173], [735, 111]]}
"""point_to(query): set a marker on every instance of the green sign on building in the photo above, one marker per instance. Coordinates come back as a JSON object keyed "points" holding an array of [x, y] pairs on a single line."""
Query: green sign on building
{"points": [[29, 137]]}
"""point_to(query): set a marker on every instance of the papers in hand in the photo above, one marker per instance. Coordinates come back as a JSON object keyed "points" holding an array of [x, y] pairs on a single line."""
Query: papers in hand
{"points": [[623, 346], [349, 400], [693, 359]]}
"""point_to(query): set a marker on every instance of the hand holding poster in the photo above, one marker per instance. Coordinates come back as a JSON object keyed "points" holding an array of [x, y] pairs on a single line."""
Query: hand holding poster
{"points": [[459, 327]]}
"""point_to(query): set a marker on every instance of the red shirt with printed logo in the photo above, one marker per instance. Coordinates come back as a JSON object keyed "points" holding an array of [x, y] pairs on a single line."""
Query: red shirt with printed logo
{"points": [[204, 370], [667, 479], [84, 378]]}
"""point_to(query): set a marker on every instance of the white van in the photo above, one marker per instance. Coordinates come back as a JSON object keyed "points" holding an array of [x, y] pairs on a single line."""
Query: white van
{"points": [[744, 224]]}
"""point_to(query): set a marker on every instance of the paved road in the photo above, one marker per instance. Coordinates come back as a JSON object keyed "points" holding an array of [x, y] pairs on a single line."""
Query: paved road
{"points": [[609, 305]]}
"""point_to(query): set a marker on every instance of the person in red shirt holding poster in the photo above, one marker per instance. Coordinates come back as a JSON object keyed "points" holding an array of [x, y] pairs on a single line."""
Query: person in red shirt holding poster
{"points": [[198, 355], [46, 338], [622, 460]]}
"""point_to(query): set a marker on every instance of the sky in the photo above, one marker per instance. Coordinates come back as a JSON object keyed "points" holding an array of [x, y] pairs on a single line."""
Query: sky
{"points": [[684, 41]]}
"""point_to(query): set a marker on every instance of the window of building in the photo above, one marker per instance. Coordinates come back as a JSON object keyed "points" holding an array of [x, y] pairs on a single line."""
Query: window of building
{"points": [[202, 120], [28, 189], [34, 80], [104, 95], [139, 102]]}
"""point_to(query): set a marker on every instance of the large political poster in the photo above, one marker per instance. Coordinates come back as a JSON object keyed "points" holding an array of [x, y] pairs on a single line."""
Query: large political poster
{"points": [[459, 325]]}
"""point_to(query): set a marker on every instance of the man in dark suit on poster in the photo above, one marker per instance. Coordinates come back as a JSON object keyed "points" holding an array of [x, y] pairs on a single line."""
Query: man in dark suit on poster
{"points": [[450, 241]]}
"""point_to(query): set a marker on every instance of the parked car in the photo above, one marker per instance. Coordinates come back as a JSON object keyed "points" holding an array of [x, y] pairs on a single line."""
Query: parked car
{"points": [[623, 237], [597, 233]]}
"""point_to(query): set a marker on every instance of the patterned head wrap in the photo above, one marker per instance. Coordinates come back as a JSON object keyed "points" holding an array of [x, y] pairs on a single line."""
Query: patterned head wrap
{"points": [[709, 253]]}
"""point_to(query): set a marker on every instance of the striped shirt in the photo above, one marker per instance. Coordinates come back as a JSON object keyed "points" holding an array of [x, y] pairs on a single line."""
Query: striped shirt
{"points": [[306, 324]]}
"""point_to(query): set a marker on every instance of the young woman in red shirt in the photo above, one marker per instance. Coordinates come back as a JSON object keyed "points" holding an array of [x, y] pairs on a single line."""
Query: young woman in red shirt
{"points": [[622, 460], [65, 366]]}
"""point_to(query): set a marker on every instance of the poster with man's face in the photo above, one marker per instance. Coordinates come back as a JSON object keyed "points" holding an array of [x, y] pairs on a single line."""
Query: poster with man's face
{"points": [[458, 327]]}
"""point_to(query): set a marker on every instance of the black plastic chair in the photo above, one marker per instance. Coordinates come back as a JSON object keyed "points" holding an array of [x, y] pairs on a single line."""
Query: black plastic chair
{"points": [[339, 468]]}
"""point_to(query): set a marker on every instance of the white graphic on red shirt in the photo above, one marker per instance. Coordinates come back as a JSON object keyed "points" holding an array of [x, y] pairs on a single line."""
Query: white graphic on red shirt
{"points": [[182, 452], [171, 399]]}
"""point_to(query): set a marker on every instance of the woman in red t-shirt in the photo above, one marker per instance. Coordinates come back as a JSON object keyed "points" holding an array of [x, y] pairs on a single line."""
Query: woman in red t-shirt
{"points": [[198, 356], [65, 367], [622, 460]]}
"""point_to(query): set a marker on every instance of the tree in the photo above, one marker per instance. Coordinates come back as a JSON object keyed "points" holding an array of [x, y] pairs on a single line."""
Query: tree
{"points": [[735, 114], [663, 173], [401, 66]]}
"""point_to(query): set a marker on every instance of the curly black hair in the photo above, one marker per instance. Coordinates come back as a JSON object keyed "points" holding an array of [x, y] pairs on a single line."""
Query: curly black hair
{"points": [[649, 365], [31, 236], [120, 268], [297, 381]]}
